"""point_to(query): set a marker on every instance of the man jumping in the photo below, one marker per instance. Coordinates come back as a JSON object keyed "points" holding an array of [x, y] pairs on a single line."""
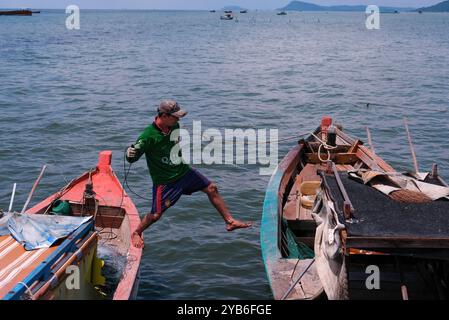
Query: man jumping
{"points": [[171, 180]]}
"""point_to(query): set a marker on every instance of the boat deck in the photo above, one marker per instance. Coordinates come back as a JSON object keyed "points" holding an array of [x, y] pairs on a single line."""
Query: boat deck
{"points": [[16, 263], [33, 271], [378, 218]]}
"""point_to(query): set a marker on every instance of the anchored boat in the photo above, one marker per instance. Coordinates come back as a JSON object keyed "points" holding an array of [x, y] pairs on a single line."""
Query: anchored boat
{"points": [[340, 223], [96, 260], [227, 16], [16, 13]]}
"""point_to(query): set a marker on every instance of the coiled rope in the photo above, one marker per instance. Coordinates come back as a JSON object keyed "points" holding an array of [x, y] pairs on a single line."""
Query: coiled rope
{"points": [[326, 146]]}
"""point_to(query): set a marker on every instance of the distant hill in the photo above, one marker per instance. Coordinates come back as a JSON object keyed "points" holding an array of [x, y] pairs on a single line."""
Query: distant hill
{"points": [[233, 8], [439, 7], [306, 6]]}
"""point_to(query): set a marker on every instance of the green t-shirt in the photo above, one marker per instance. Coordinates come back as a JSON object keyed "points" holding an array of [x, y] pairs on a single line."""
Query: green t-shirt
{"points": [[157, 148]]}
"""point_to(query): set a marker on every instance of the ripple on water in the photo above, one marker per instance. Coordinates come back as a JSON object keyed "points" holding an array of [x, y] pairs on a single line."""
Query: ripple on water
{"points": [[100, 89]]}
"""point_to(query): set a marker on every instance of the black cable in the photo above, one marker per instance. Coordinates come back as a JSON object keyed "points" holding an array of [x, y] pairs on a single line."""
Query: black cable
{"points": [[125, 180]]}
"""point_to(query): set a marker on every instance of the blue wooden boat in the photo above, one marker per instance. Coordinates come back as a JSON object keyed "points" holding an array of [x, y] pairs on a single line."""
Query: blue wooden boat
{"points": [[322, 229]]}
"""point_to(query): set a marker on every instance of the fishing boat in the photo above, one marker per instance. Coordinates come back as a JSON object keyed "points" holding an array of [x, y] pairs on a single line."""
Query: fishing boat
{"points": [[341, 223], [99, 249], [227, 16], [16, 13], [282, 13], [243, 11]]}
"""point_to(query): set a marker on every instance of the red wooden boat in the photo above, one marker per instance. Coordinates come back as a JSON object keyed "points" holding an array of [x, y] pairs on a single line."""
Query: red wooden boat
{"points": [[42, 273]]}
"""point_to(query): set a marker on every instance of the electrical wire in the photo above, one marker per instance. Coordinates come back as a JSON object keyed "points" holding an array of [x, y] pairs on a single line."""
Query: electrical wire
{"points": [[125, 180]]}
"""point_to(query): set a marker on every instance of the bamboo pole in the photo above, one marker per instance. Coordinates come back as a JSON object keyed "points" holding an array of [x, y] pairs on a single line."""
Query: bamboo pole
{"points": [[415, 162], [34, 188], [368, 133], [12, 197]]}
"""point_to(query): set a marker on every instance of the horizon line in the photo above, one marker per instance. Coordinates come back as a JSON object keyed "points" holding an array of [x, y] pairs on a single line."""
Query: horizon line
{"points": [[153, 9]]}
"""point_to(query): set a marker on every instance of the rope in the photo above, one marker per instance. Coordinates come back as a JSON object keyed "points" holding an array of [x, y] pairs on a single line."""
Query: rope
{"points": [[188, 127], [274, 141], [28, 290], [126, 172], [326, 146]]}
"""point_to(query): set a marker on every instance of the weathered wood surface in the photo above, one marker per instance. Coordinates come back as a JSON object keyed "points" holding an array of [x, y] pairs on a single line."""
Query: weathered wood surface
{"points": [[283, 278]]}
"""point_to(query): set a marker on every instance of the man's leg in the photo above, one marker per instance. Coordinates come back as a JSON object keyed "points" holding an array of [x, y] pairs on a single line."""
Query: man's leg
{"points": [[164, 196], [147, 221], [219, 204]]}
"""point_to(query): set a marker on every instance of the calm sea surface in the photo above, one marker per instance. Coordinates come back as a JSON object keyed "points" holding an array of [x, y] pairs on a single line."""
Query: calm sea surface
{"points": [[66, 95]]}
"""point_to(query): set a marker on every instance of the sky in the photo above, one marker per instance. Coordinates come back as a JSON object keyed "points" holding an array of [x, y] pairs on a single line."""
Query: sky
{"points": [[197, 4]]}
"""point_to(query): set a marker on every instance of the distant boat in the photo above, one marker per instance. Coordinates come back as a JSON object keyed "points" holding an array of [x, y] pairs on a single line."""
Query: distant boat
{"points": [[228, 11], [212, 11], [243, 11], [396, 11], [227, 16], [420, 11], [282, 13], [16, 13]]}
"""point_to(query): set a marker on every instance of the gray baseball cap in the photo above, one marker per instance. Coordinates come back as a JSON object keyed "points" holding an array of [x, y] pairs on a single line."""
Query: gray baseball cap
{"points": [[171, 107]]}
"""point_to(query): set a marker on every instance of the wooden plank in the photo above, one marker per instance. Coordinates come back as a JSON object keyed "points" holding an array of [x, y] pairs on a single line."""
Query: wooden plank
{"points": [[289, 212], [309, 173], [313, 146], [282, 274], [369, 158], [355, 146], [338, 158], [365, 154], [344, 167], [345, 137]]}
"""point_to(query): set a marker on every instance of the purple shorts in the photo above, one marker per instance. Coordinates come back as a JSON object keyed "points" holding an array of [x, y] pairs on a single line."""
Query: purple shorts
{"points": [[166, 195]]}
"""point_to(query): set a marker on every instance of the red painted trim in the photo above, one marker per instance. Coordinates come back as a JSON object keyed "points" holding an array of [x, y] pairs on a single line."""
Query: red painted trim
{"points": [[159, 199]]}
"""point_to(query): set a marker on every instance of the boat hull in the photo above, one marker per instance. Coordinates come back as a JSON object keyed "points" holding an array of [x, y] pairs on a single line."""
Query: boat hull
{"points": [[16, 13], [115, 216]]}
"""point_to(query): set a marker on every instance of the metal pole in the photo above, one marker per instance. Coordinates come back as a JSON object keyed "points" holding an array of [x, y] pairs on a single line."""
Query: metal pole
{"points": [[415, 162], [12, 197], [34, 188]]}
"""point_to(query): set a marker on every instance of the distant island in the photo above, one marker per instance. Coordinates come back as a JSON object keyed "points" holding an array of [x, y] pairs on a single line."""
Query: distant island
{"points": [[439, 7], [233, 8], [306, 6]]}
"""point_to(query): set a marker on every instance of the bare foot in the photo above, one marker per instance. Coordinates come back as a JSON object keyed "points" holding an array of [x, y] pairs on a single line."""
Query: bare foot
{"points": [[236, 224], [137, 241]]}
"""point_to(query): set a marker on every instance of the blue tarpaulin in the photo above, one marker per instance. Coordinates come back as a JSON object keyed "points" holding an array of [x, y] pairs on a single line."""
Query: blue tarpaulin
{"points": [[35, 231]]}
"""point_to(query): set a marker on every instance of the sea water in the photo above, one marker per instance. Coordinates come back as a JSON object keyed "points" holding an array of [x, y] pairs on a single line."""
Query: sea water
{"points": [[65, 95]]}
